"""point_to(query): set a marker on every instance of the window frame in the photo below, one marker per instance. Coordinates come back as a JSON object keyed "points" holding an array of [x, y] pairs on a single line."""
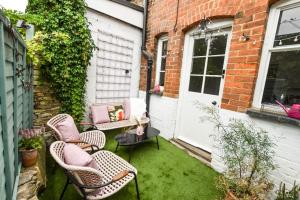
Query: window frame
{"points": [[159, 59], [226, 32], [268, 49]]}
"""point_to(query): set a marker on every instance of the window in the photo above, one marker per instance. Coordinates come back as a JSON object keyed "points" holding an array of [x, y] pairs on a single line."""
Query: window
{"points": [[161, 61], [279, 76], [207, 64]]}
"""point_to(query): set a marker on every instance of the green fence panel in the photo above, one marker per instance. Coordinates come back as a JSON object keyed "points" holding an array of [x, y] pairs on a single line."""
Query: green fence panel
{"points": [[16, 102], [2, 180]]}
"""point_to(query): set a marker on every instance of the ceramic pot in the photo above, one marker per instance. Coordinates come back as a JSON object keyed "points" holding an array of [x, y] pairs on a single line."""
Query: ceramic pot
{"points": [[29, 157]]}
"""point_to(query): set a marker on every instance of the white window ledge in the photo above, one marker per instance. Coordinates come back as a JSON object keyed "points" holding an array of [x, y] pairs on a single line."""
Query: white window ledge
{"points": [[252, 112]]}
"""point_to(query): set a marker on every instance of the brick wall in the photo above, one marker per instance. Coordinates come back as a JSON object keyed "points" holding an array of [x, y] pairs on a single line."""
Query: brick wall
{"points": [[249, 17]]}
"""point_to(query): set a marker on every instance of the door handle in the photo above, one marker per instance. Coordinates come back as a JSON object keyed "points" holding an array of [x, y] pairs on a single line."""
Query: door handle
{"points": [[223, 73], [214, 103]]}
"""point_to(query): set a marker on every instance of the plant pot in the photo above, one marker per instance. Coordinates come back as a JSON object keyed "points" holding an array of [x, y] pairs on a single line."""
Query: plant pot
{"points": [[29, 157], [231, 196]]}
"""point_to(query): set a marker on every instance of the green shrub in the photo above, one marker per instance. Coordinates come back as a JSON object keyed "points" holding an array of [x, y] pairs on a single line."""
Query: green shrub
{"points": [[248, 155], [67, 47]]}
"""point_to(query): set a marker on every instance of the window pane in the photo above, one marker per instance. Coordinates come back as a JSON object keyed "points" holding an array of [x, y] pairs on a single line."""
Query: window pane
{"points": [[198, 66], [195, 83], [162, 79], [200, 47], [283, 79], [164, 48], [212, 85], [288, 29], [215, 65], [218, 45], [163, 64]]}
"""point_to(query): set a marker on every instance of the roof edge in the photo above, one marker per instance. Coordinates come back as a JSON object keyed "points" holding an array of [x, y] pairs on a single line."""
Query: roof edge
{"points": [[129, 4]]}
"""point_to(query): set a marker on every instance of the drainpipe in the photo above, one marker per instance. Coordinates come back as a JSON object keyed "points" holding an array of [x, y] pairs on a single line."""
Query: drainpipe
{"points": [[148, 56]]}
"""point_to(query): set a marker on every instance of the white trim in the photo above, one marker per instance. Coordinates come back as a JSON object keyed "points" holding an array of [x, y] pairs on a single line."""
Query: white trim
{"points": [[186, 67], [225, 55], [158, 58], [268, 47]]}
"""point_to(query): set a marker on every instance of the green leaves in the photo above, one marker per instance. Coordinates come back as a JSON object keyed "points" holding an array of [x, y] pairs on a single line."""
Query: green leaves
{"points": [[31, 143], [248, 153], [62, 50]]}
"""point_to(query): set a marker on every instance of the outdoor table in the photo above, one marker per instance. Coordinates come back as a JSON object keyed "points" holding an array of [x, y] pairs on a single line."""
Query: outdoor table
{"points": [[130, 139]]}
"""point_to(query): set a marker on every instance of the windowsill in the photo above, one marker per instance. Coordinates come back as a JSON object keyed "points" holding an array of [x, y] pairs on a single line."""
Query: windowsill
{"points": [[272, 116], [156, 93]]}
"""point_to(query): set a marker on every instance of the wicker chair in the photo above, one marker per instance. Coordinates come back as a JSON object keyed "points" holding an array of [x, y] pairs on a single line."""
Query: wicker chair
{"points": [[113, 174], [90, 140]]}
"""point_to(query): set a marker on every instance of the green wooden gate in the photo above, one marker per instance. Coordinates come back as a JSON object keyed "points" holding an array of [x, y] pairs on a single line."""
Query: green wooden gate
{"points": [[16, 102]]}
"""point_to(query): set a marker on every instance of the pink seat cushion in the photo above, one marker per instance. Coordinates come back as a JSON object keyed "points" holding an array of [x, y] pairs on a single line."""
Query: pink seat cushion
{"points": [[126, 106], [74, 155], [100, 114], [68, 130]]}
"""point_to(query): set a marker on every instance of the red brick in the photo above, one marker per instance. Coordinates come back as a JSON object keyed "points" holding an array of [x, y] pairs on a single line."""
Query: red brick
{"points": [[244, 57]]}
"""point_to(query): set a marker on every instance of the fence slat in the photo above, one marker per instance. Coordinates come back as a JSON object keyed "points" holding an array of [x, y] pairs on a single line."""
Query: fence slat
{"points": [[7, 169], [16, 105], [16, 138]]}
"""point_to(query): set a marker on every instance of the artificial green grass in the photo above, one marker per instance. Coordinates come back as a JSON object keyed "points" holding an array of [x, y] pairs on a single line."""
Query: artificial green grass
{"points": [[165, 174]]}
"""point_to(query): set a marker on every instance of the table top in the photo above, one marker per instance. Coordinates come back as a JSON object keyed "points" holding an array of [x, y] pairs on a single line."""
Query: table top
{"points": [[130, 138]]}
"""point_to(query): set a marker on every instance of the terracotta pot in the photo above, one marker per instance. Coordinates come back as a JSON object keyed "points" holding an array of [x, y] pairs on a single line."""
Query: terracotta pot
{"points": [[230, 196], [29, 157]]}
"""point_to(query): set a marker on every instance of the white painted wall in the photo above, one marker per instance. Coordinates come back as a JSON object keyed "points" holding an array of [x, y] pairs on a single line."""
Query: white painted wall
{"points": [[102, 22], [118, 11], [287, 139], [163, 112]]}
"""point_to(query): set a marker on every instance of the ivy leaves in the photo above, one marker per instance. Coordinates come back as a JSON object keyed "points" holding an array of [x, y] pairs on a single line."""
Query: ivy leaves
{"points": [[63, 48]]}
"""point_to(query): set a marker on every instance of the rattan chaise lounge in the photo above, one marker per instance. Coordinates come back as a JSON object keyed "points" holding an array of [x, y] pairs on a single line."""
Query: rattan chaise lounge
{"points": [[112, 175], [89, 140]]}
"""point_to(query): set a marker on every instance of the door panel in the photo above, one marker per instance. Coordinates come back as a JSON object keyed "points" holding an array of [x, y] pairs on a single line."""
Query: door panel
{"points": [[201, 84]]}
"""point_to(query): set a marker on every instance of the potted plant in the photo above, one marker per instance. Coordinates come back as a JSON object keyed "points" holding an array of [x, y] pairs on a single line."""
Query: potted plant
{"points": [[31, 141], [283, 194], [248, 157]]}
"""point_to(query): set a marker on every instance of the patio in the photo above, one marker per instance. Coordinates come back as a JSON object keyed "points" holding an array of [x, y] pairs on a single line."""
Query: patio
{"points": [[168, 173], [221, 78]]}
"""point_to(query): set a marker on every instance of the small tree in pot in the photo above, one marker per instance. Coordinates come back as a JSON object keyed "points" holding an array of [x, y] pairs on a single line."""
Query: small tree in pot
{"points": [[248, 155], [31, 141]]}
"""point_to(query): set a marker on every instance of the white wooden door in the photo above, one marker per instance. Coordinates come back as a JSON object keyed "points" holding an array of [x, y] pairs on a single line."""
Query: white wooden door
{"points": [[202, 83]]}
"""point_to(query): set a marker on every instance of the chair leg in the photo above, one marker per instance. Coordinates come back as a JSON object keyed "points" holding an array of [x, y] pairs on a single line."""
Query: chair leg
{"points": [[65, 188], [117, 147], [136, 187], [157, 143]]}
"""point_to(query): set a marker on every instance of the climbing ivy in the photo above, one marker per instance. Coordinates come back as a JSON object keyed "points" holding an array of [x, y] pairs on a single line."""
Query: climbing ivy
{"points": [[14, 16], [63, 50]]}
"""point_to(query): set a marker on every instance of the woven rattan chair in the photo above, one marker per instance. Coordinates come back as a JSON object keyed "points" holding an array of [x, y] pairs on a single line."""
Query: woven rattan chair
{"points": [[113, 174], [90, 140]]}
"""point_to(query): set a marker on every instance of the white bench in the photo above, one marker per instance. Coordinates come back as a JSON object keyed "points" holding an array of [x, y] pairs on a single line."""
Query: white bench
{"points": [[118, 124]]}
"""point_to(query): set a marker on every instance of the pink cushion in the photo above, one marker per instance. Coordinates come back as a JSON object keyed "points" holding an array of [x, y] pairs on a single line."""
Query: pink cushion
{"points": [[126, 106], [100, 114], [74, 155], [68, 130]]}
